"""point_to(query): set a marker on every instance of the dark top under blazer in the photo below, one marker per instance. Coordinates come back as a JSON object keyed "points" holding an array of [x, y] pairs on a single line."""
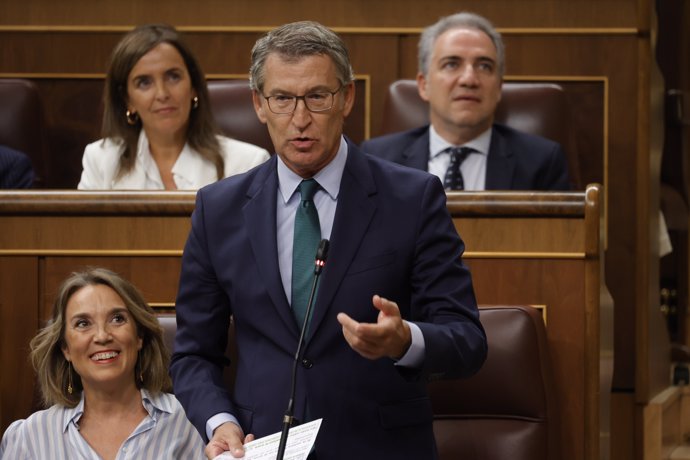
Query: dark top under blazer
{"points": [[15, 169], [392, 235], [516, 161]]}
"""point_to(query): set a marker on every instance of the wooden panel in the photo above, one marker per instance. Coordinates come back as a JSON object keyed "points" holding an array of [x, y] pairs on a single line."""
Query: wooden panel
{"points": [[558, 269], [623, 414], [588, 104], [533, 236], [344, 13], [115, 233], [523, 248], [19, 280], [662, 423], [156, 277], [683, 452], [545, 38], [558, 284]]}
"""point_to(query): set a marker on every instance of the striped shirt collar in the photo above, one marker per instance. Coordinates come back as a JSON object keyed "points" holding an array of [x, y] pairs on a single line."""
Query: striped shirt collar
{"points": [[153, 404]]}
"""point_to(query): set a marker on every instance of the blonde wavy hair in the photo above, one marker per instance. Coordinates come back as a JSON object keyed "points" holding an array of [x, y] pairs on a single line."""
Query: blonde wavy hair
{"points": [[53, 370]]}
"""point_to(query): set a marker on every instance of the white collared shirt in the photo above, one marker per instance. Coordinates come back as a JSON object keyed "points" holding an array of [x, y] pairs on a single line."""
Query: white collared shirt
{"points": [[325, 200], [473, 169]]}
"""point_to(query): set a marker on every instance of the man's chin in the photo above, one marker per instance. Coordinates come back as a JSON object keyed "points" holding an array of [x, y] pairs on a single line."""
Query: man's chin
{"points": [[471, 121]]}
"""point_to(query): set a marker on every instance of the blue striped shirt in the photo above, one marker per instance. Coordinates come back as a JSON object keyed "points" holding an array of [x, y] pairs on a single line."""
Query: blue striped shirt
{"points": [[53, 433]]}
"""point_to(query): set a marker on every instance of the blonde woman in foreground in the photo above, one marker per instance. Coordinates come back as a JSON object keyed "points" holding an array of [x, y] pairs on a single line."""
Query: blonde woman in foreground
{"points": [[102, 368]]}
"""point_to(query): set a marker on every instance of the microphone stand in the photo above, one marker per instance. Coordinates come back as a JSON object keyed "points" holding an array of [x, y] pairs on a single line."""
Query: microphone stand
{"points": [[321, 255]]}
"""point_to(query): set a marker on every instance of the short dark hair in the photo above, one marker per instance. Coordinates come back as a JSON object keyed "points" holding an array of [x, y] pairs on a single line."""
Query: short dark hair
{"points": [[295, 41], [50, 364], [202, 130]]}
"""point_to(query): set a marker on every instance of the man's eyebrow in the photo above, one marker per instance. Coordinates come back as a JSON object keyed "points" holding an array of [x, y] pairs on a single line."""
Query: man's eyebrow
{"points": [[315, 89]]}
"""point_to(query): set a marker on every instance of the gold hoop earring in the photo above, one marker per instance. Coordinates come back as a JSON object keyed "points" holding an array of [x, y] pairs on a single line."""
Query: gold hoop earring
{"points": [[195, 102], [132, 118], [70, 388]]}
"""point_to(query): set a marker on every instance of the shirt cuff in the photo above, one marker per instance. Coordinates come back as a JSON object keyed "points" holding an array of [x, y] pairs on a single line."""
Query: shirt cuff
{"points": [[217, 420], [415, 354]]}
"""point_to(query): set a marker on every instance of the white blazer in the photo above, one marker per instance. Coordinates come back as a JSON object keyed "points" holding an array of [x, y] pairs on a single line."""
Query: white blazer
{"points": [[190, 172]]}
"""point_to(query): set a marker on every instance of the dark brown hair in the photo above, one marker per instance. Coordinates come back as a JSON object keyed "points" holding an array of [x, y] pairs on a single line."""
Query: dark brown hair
{"points": [[202, 130]]}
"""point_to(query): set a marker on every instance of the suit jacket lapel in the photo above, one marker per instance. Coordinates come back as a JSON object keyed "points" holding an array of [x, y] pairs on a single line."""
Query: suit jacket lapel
{"points": [[352, 218], [500, 164], [416, 155], [260, 218]]}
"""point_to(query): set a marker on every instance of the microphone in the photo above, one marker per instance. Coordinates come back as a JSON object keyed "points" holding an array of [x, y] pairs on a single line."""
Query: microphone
{"points": [[319, 262]]}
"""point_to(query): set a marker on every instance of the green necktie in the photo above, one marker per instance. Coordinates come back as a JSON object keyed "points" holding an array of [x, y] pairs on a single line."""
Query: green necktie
{"points": [[306, 241]]}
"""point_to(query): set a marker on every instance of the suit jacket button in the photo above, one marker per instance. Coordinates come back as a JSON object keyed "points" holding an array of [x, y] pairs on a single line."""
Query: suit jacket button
{"points": [[307, 363]]}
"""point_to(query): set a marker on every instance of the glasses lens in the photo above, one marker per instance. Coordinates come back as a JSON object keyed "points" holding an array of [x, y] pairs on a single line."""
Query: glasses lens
{"points": [[281, 104], [318, 102], [315, 102]]}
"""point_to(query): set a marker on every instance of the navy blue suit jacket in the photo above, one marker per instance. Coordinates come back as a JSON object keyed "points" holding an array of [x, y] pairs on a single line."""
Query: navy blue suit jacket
{"points": [[516, 161], [392, 235], [15, 169]]}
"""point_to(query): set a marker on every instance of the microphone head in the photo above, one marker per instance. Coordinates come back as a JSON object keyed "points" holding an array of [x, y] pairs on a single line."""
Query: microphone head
{"points": [[321, 255], [322, 251]]}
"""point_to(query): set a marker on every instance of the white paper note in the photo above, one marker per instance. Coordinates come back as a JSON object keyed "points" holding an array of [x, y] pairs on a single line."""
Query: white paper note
{"points": [[299, 443]]}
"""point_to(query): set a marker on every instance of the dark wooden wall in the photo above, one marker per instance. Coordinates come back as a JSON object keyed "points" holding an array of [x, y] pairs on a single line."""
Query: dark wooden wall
{"points": [[542, 249], [602, 42]]}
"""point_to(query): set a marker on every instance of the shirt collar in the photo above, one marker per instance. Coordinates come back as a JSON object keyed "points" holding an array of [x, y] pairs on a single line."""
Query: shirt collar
{"points": [[186, 170], [438, 145], [153, 404], [143, 152], [189, 170], [328, 178], [73, 414]]}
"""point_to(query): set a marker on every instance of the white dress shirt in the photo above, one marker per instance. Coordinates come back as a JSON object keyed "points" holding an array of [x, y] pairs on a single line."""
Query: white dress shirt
{"points": [[473, 169]]}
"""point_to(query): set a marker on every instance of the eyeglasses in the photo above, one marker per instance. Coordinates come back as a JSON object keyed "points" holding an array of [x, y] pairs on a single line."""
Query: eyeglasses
{"points": [[318, 101]]}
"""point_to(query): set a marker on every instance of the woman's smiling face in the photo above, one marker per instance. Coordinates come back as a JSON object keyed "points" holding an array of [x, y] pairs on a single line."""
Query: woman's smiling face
{"points": [[100, 338]]}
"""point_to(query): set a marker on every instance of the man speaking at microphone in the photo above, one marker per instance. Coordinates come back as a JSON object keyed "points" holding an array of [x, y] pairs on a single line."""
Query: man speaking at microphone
{"points": [[394, 305]]}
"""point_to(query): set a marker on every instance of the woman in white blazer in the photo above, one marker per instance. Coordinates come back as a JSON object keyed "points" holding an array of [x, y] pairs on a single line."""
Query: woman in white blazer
{"points": [[158, 128]]}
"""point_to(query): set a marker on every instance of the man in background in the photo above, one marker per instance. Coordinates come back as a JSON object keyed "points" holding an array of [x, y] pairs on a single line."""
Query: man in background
{"points": [[461, 66]]}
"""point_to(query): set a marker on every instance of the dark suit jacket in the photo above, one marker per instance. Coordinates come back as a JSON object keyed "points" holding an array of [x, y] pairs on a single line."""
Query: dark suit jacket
{"points": [[15, 169], [392, 235], [516, 161]]}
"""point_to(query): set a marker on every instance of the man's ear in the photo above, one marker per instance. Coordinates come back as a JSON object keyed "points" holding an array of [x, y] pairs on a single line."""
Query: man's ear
{"points": [[258, 106], [421, 87]]}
